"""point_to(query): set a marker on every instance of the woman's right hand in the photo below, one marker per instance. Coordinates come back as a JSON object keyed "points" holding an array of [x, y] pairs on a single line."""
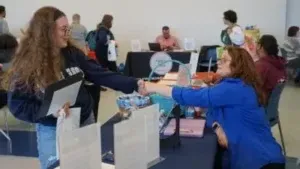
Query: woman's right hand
{"points": [[64, 111]]}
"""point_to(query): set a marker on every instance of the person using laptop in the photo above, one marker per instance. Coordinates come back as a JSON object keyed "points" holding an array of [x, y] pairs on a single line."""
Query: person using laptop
{"points": [[166, 40]]}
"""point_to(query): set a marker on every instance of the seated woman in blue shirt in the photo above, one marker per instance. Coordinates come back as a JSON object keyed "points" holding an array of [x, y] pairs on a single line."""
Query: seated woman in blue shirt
{"points": [[235, 113]]}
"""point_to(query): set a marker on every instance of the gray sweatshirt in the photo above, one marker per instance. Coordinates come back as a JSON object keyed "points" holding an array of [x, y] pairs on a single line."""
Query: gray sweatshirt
{"points": [[78, 34], [3, 26]]}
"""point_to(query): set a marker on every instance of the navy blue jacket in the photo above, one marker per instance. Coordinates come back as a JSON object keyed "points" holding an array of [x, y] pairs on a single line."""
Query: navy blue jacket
{"points": [[25, 106], [103, 36]]}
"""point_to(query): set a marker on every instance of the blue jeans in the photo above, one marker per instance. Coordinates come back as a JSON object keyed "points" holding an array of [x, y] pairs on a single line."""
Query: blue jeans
{"points": [[46, 142]]}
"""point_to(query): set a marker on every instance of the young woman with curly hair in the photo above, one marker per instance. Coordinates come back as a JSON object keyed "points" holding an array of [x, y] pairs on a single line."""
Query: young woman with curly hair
{"points": [[235, 112], [45, 56]]}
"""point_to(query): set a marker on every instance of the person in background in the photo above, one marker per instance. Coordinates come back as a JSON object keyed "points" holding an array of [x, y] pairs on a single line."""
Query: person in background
{"points": [[78, 31], [166, 40], [8, 46], [91, 39], [292, 43], [3, 23], [103, 38], [291, 47], [270, 67], [233, 34], [51, 62], [235, 112]]}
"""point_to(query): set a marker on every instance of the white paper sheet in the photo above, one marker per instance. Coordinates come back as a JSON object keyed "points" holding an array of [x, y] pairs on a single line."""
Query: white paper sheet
{"points": [[189, 44], [81, 148], [151, 117], [129, 144], [62, 96], [112, 51], [136, 46], [67, 124], [194, 62]]}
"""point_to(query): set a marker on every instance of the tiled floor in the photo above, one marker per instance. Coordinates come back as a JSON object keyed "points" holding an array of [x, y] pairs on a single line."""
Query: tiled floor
{"points": [[289, 114]]}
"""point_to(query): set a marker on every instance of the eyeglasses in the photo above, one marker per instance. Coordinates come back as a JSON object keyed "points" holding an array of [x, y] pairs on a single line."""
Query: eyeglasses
{"points": [[223, 60], [66, 30]]}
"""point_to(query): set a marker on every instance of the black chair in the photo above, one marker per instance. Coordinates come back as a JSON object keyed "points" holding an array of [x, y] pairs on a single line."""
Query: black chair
{"points": [[272, 110], [208, 58]]}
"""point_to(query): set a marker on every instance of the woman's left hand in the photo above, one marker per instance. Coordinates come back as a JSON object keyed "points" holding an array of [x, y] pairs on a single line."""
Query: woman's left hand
{"points": [[222, 139]]}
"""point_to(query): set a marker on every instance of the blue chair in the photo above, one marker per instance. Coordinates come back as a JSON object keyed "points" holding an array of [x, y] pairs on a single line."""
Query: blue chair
{"points": [[272, 110], [210, 59]]}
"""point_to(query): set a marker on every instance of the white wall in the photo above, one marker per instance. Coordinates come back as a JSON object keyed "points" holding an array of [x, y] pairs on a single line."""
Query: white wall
{"points": [[143, 19], [293, 13]]}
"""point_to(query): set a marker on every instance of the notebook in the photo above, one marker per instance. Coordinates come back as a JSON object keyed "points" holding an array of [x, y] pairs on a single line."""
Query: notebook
{"points": [[188, 127]]}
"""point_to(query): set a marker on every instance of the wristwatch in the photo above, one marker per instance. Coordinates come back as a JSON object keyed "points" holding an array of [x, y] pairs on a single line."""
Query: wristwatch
{"points": [[215, 126]]}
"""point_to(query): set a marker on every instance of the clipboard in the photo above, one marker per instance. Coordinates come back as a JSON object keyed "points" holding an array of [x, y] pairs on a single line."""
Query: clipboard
{"points": [[59, 93]]}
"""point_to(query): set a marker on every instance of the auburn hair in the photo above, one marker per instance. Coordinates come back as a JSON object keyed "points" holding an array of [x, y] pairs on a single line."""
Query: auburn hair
{"points": [[37, 62], [243, 67]]}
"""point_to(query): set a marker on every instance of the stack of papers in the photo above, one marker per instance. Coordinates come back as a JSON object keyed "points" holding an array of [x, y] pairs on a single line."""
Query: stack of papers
{"points": [[188, 127]]}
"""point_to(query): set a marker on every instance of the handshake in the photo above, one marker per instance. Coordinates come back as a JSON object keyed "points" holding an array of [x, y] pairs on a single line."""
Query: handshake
{"points": [[143, 87]]}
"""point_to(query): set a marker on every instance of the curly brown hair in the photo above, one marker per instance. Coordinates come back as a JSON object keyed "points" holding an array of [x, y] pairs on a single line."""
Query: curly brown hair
{"points": [[37, 62], [243, 67]]}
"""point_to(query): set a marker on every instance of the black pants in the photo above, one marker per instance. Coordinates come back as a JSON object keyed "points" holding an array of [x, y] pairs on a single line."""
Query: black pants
{"points": [[274, 166], [94, 91]]}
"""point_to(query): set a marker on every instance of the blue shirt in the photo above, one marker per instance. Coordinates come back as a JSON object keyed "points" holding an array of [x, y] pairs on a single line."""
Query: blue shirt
{"points": [[234, 105]]}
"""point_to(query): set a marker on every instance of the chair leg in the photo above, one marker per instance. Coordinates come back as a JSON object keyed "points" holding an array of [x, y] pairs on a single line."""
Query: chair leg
{"points": [[7, 132], [281, 137]]}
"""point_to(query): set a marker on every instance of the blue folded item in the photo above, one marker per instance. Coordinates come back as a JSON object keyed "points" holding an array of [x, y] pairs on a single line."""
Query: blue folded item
{"points": [[165, 104]]}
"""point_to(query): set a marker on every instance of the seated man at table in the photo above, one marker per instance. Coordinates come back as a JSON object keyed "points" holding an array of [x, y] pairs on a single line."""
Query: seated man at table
{"points": [[166, 40]]}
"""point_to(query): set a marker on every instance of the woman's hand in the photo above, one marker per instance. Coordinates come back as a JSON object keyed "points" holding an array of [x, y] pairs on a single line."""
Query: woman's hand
{"points": [[222, 139], [142, 88], [64, 111]]}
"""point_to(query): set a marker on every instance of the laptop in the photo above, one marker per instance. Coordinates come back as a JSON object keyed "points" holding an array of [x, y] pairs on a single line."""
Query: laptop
{"points": [[154, 46]]}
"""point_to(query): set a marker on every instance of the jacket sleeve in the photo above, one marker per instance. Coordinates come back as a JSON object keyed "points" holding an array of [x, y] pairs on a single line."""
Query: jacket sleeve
{"points": [[101, 37], [24, 106], [207, 97], [100, 76]]}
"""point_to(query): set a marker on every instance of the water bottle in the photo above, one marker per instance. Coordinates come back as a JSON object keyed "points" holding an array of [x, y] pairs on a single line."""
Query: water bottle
{"points": [[190, 113]]}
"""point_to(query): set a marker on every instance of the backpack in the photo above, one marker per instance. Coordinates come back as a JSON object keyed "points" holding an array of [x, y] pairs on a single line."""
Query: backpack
{"points": [[91, 40]]}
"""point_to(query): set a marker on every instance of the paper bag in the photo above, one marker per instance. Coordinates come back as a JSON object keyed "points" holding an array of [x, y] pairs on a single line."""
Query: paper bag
{"points": [[66, 124], [112, 51]]}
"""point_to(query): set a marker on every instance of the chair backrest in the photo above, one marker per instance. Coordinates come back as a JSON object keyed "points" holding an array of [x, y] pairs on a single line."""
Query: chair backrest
{"points": [[273, 103], [208, 52]]}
